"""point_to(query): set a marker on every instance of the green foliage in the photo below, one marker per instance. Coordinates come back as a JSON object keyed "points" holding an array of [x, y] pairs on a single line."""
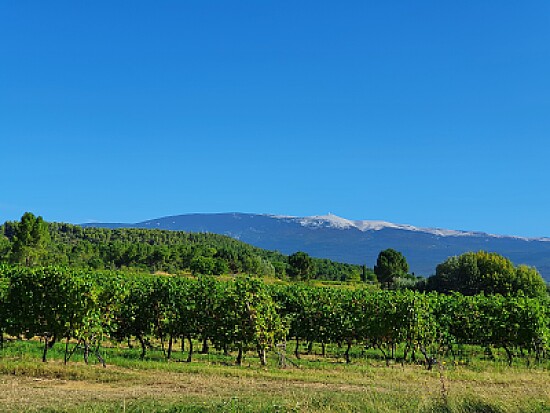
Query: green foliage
{"points": [[528, 281], [203, 265], [245, 314], [506, 322], [280, 269], [5, 245], [33, 242], [4, 314], [137, 313], [475, 272], [300, 266], [49, 302], [253, 314], [390, 264], [368, 275], [30, 239]]}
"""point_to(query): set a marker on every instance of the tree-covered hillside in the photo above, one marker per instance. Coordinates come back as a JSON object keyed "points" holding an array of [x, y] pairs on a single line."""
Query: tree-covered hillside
{"points": [[33, 241], [355, 242]]}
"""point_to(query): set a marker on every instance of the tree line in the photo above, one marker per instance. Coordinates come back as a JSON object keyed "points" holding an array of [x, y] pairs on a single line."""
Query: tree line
{"points": [[245, 314], [34, 242], [470, 273]]}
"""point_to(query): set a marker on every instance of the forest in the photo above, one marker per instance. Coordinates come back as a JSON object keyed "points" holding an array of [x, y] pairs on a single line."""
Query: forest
{"points": [[34, 242]]}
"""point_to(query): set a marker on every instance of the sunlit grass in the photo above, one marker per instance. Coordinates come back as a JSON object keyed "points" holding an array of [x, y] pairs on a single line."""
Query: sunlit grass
{"points": [[213, 383]]}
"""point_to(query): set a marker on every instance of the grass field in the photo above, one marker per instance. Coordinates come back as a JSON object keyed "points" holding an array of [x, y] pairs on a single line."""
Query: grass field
{"points": [[213, 383]]}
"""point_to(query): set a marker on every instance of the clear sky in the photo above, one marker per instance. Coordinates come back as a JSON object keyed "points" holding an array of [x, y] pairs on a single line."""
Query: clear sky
{"points": [[430, 113]]}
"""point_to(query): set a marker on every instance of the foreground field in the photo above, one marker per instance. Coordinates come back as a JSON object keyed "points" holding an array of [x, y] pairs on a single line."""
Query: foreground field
{"points": [[213, 383]]}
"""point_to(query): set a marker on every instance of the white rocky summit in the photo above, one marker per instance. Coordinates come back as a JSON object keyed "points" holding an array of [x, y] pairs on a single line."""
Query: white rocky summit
{"points": [[333, 221]]}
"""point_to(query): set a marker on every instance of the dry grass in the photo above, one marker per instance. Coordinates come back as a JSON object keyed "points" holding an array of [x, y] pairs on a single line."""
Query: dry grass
{"points": [[204, 387]]}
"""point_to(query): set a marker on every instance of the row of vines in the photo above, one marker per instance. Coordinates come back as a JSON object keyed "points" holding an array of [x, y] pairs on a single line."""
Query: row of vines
{"points": [[245, 314]]}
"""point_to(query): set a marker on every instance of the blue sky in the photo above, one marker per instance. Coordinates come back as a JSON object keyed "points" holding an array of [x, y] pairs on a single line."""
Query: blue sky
{"points": [[429, 113]]}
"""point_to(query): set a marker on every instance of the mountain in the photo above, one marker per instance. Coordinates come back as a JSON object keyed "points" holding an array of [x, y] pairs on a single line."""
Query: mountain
{"points": [[356, 242]]}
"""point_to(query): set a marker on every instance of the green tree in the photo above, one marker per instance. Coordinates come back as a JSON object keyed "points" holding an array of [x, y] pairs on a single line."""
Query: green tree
{"points": [[280, 269], [529, 281], [301, 265], [5, 246], [475, 272], [30, 240], [203, 265], [390, 264]]}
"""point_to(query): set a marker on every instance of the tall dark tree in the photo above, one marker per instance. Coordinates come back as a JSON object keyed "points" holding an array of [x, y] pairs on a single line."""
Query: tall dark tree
{"points": [[390, 264], [30, 240], [301, 265]]}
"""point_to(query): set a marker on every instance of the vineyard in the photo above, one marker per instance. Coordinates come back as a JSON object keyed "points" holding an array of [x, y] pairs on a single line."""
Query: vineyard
{"points": [[245, 317]]}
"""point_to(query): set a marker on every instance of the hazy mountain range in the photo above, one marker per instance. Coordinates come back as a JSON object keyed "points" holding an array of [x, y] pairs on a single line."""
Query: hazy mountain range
{"points": [[357, 242]]}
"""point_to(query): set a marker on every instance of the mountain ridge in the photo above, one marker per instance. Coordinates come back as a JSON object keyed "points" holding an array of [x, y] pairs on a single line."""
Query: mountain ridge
{"points": [[354, 241], [376, 225]]}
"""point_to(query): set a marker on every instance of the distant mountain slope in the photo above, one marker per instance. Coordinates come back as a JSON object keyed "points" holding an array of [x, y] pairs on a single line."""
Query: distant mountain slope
{"points": [[357, 242]]}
